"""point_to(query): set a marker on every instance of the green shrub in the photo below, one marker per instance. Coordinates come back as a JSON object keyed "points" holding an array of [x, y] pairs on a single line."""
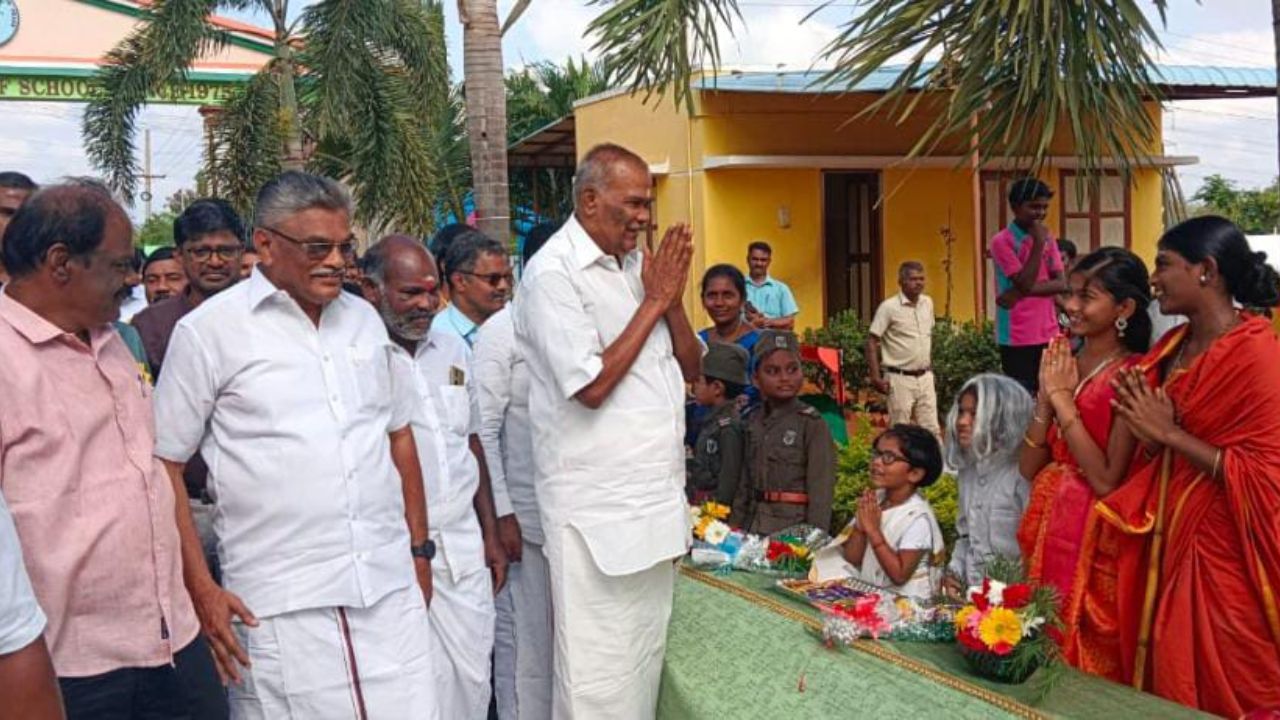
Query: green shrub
{"points": [[961, 349], [853, 477]]}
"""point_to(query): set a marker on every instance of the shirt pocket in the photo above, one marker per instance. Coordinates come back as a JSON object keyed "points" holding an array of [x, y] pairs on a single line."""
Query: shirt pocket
{"points": [[370, 364], [454, 404]]}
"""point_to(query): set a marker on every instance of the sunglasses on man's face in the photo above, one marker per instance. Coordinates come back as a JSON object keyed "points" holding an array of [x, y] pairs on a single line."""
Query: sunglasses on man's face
{"points": [[317, 250], [491, 279], [226, 253]]}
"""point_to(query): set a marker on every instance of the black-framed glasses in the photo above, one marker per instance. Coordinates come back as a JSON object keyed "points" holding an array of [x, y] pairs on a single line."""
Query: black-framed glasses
{"points": [[225, 253], [889, 458], [492, 279], [319, 250]]}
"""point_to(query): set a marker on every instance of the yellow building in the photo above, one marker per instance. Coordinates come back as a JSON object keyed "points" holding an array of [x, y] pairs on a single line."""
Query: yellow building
{"points": [[766, 156]]}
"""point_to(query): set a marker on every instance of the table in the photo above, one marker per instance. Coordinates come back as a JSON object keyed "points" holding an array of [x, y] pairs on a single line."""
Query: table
{"points": [[738, 649]]}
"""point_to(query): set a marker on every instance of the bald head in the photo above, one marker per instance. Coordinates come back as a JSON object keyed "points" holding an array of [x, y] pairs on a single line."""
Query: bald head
{"points": [[401, 280]]}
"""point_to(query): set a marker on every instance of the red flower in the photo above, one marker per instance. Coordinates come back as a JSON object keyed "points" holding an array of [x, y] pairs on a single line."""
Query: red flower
{"points": [[970, 640], [979, 600], [1017, 595], [777, 550], [1002, 648]]}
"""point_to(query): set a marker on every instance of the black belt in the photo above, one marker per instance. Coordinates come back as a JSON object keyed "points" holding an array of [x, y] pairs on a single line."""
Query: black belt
{"points": [[908, 373]]}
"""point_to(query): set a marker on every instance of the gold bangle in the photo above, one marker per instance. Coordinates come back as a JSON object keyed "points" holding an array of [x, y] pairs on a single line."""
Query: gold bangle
{"points": [[1064, 427], [1032, 443]]}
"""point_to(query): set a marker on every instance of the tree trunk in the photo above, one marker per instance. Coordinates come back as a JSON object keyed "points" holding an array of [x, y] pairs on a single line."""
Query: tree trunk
{"points": [[286, 73], [486, 103]]}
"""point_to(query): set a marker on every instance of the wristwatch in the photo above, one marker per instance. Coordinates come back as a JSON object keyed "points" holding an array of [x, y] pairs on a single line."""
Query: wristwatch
{"points": [[426, 551]]}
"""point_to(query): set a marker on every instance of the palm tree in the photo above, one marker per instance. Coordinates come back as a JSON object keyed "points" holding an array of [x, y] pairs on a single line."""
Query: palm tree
{"points": [[1005, 71], [486, 111], [353, 90], [537, 96]]}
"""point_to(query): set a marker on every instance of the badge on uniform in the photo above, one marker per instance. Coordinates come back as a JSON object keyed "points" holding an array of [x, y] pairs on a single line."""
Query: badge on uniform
{"points": [[457, 376], [712, 447], [789, 438]]}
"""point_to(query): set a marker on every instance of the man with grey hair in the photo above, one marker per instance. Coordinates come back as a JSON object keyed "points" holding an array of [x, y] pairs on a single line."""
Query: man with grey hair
{"points": [[287, 387], [401, 280], [601, 323], [900, 345]]}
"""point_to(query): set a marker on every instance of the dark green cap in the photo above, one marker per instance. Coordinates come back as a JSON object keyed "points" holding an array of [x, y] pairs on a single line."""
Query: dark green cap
{"points": [[771, 340], [727, 362]]}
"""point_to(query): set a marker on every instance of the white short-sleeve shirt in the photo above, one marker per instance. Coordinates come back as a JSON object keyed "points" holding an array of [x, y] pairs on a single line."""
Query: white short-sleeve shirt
{"points": [[21, 620], [444, 420], [615, 473], [293, 421]]}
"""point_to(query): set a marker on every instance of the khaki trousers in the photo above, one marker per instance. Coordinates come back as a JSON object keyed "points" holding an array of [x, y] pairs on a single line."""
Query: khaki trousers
{"points": [[914, 400]]}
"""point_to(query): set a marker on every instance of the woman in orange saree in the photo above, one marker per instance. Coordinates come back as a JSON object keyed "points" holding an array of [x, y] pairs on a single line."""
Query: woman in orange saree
{"points": [[1080, 456], [1199, 571]]}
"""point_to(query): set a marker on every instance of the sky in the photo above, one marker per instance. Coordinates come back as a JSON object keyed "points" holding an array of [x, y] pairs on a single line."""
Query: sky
{"points": [[1234, 138]]}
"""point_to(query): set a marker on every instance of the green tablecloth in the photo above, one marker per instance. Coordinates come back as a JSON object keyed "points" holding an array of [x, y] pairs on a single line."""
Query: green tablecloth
{"points": [[741, 650]]}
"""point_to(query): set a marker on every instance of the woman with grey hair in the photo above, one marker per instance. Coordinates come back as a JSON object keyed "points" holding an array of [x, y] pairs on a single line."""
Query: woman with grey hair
{"points": [[984, 433]]}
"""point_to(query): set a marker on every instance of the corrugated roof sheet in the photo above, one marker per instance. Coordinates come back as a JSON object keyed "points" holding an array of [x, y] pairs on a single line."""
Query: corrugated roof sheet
{"points": [[811, 81]]}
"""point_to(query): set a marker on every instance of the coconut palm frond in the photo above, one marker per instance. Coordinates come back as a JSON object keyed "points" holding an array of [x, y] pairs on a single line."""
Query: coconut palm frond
{"points": [[173, 34], [247, 138], [655, 46], [1010, 76]]}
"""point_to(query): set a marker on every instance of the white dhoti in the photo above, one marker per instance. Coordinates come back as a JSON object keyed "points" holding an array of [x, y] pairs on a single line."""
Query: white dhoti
{"points": [[462, 617], [610, 631], [339, 663], [524, 641]]}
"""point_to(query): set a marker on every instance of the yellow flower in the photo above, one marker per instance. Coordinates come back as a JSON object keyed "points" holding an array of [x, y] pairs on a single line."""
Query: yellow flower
{"points": [[801, 551], [1000, 626], [962, 617], [700, 530], [715, 510]]}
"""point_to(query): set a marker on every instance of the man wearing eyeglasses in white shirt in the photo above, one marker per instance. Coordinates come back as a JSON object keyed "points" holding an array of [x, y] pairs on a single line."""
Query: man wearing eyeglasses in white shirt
{"points": [[287, 387]]}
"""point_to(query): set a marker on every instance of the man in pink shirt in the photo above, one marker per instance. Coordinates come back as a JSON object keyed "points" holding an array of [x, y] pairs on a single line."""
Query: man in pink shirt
{"points": [[93, 508], [1028, 276]]}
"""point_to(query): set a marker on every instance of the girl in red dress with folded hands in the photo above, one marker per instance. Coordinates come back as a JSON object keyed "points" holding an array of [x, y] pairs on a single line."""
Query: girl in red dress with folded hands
{"points": [[1199, 576], [1074, 453]]}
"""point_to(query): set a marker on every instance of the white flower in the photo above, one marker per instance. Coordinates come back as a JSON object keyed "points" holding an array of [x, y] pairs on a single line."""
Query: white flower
{"points": [[716, 532], [695, 514], [995, 595], [1030, 625]]}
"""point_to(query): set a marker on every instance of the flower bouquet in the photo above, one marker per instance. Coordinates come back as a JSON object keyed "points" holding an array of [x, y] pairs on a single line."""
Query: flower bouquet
{"points": [[715, 544], [1006, 631]]}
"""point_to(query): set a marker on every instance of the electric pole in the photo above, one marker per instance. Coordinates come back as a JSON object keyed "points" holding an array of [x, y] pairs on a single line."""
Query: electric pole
{"points": [[147, 176]]}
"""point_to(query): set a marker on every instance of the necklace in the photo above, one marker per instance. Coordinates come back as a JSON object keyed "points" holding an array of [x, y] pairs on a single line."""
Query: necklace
{"points": [[1182, 346], [1096, 370], [730, 338]]}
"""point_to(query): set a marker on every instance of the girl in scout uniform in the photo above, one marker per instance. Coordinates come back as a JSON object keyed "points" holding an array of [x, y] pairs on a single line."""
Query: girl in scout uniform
{"points": [[791, 462]]}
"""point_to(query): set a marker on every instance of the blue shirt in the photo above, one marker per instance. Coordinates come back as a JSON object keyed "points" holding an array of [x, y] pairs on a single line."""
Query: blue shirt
{"points": [[772, 298], [452, 320]]}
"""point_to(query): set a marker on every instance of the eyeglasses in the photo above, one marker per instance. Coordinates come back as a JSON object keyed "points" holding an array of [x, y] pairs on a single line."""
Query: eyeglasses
{"points": [[493, 279], [316, 250], [225, 253], [888, 458]]}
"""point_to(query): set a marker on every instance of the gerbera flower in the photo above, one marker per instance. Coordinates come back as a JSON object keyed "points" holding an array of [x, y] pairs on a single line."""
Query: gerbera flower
{"points": [[1001, 625]]}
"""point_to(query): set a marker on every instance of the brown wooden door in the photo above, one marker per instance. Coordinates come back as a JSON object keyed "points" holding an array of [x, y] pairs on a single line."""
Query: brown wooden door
{"points": [[851, 229]]}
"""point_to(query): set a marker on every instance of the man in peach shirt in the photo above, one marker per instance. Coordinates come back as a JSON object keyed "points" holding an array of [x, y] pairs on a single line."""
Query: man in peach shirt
{"points": [[93, 508]]}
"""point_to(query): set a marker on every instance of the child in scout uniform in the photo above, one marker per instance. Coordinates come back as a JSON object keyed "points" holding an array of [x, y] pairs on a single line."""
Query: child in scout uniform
{"points": [[791, 463], [893, 540], [715, 468]]}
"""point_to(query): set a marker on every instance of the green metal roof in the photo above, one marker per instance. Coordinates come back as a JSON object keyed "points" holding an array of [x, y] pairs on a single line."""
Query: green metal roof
{"points": [[1178, 81]]}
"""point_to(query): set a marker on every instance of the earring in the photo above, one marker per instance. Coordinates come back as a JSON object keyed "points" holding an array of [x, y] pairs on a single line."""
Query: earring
{"points": [[1121, 325], [1204, 279]]}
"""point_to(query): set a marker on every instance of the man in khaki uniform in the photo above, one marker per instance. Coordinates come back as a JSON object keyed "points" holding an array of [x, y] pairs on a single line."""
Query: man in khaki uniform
{"points": [[790, 454], [899, 345]]}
